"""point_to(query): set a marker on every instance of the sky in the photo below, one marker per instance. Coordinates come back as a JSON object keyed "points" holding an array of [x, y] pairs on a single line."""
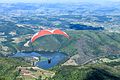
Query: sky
{"points": [[56, 1]]}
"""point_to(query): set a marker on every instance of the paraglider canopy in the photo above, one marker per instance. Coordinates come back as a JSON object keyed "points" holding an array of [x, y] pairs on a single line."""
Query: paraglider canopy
{"points": [[48, 32]]}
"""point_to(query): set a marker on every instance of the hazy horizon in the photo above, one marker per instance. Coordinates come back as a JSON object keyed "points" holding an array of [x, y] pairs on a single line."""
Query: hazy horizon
{"points": [[60, 1]]}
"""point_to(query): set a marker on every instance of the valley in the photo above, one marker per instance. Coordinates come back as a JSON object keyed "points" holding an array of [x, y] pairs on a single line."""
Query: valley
{"points": [[92, 50]]}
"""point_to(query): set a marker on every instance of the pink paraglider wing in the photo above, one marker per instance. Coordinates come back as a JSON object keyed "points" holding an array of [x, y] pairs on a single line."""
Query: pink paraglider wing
{"points": [[48, 32]]}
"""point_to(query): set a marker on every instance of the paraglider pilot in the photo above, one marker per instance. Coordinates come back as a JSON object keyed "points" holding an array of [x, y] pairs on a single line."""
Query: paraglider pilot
{"points": [[49, 60]]}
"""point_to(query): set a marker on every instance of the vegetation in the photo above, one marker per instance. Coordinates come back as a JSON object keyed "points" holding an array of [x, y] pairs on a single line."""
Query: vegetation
{"points": [[91, 44], [8, 67], [88, 44], [96, 71], [17, 27]]}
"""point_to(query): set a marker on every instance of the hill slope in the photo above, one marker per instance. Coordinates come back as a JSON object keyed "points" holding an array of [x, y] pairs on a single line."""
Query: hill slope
{"points": [[87, 45], [8, 68], [92, 71]]}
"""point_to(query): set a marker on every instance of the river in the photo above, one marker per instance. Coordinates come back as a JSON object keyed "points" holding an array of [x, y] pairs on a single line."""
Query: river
{"points": [[56, 58]]}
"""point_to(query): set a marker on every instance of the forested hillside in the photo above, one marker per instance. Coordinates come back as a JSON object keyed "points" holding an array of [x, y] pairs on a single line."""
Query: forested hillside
{"points": [[8, 67]]}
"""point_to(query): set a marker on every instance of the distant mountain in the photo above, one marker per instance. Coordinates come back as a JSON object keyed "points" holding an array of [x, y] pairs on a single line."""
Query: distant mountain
{"points": [[88, 45], [80, 8]]}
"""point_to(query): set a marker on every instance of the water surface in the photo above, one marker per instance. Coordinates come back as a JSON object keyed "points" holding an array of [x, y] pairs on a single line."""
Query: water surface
{"points": [[56, 58]]}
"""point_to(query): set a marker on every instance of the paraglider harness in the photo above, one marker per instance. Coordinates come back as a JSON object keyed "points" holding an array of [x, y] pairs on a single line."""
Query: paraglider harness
{"points": [[49, 60]]}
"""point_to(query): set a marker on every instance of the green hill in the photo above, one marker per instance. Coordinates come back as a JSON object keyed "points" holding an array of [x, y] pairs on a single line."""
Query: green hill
{"points": [[8, 68], [87, 45], [83, 46], [92, 71]]}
